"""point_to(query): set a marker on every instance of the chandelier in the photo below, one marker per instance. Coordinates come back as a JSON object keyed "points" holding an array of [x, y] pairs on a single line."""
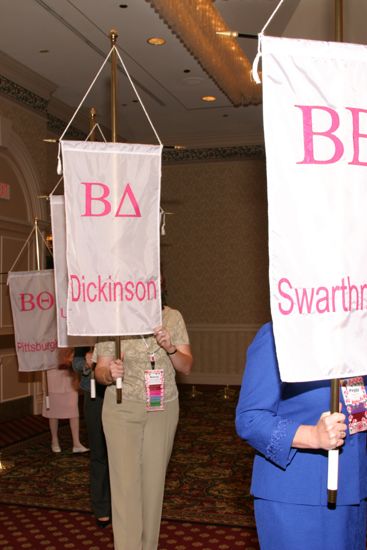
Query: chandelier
{"points": [[196, 23]]}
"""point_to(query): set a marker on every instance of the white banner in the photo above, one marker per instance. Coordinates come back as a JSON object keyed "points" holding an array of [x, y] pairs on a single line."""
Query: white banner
{"points": [[33, 307], [112, 198], [315, 119], [57, 205]]}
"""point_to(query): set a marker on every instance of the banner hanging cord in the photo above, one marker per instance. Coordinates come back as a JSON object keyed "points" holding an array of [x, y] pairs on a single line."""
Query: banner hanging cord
{"points": [[56, 186], [22, 249], [138, 96], [59, 167], [88, 136], [254, 71], [100, 131], [25, 244]]}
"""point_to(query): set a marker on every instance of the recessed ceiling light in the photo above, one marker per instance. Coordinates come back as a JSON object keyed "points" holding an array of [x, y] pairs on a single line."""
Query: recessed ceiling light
{"points": [[44, 51], [156, 41], [209, 98], [122, 5], [187, 70]]}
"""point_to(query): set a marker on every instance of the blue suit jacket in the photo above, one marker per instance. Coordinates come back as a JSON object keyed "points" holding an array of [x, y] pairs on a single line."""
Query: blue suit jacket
{"points": [[268, 415]]}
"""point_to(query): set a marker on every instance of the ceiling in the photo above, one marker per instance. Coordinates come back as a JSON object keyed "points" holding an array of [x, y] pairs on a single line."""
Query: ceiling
{"points": [[75, 35]]}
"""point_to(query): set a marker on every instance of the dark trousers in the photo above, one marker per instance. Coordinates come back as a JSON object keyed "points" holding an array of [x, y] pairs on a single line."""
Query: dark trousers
{"points": [[99, 475]]}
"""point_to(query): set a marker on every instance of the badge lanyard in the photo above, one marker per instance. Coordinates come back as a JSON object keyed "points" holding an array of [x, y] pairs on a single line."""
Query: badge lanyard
{"points": [[154, 383]]}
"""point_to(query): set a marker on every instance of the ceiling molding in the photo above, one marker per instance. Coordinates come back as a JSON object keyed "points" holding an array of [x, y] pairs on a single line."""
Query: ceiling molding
{"points": [[211, 154]]}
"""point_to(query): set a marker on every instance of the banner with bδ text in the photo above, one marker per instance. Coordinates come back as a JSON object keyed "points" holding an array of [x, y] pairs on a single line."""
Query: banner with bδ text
{"points": [[315, 121], [112, 205], [32, 299], [57, 206]]}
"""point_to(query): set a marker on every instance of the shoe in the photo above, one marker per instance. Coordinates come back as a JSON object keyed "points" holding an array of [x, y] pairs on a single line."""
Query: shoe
{"points": [[103, 522], [80, 449], [56, 448]]}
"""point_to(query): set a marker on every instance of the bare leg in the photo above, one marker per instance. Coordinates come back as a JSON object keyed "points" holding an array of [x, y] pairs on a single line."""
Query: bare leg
{"points": [[74, 428], [54, 426]]}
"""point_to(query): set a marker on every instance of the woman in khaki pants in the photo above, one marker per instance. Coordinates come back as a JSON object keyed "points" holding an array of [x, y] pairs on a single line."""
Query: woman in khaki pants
{"points": [[140, 430]]}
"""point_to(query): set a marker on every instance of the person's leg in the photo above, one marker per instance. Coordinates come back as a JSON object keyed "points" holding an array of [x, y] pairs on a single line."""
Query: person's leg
{"points": [[123, 426], [99, 476], [74, 428], [159, 436], [54, 428]]}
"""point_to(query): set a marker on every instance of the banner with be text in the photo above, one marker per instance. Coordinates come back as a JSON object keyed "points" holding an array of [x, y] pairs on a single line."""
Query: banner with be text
{"points": [[315, 121], [57, 207], [32, 298], [112, 206]]}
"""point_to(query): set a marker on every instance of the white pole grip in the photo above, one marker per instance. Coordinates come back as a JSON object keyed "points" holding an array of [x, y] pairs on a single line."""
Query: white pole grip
{"points": [[333, 467], [119, 383], [92, 388]]}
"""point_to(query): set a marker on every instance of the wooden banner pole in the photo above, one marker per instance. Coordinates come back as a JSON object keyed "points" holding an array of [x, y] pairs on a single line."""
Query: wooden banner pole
{"points": [[113, 37]]}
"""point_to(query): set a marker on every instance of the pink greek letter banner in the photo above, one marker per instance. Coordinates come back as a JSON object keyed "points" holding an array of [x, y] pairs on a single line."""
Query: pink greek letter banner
{"points": [[32, 299], [57, 206], [315, 122], [112, 205]]}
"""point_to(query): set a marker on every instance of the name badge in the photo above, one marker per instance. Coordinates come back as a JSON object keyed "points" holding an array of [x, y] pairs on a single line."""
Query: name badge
{"points": [[154, 389], [355, 399]]}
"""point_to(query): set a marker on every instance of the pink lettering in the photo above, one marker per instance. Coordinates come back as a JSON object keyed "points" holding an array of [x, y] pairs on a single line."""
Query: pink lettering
{"points": [[45, 300], [26, 298], [345, 297], [74, 287], [325, 298], [129, 193], [105, 191], [286, 296], [357, 134], [309, 133], [303, 298]]}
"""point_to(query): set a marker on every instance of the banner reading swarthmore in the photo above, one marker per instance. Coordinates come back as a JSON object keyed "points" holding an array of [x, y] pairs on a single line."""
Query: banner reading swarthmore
{"points": [[32, 298], [112, 205], [315, 120]]}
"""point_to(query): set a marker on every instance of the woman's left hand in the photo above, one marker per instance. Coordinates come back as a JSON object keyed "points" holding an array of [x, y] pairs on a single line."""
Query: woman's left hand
{"points": [[163, 338]]}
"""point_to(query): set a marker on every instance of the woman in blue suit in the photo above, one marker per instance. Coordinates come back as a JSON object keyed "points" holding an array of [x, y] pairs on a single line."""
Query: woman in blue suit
{"points": [[291, 432]]}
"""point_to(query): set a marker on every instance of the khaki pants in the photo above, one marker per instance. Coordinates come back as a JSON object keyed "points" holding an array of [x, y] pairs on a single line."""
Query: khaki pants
{"points": [[139, 447]]}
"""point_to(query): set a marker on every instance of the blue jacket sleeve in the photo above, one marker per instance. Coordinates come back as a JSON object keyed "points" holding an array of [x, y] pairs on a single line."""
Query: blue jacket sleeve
{"points": [[257, 419], [78, 364]]}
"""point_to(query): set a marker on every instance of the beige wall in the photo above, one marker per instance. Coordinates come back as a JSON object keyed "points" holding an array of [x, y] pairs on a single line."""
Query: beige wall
{"points": [[214, 252], [215, 248], [215, 259]]}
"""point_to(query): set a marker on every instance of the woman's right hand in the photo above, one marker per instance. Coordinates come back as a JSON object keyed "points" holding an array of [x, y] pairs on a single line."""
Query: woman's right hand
{"points": [[330, 431], [116, 369]]}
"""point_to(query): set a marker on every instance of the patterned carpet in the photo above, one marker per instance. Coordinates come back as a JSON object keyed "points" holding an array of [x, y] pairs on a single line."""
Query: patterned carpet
{"points": [[208, 478], [39, 528]]}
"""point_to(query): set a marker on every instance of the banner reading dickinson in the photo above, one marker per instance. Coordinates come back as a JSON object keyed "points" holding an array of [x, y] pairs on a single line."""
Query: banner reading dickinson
{"points": [[315, 120], [112, 201]]}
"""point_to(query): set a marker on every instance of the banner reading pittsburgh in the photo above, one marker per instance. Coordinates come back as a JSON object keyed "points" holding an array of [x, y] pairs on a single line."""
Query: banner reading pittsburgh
{"points": [[112, 202], [315, 121]]}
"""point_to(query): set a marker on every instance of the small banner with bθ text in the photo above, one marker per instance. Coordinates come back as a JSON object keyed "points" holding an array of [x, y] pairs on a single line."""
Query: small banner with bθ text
{"points": [[32, 298]]}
